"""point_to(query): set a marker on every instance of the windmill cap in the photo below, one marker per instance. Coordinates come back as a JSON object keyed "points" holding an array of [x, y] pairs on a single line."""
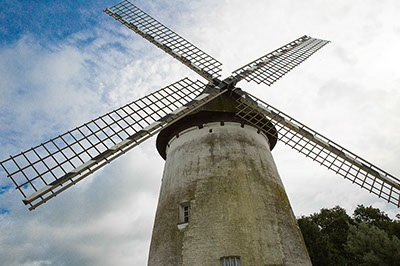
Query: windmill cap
{"points": [[222, 109]]}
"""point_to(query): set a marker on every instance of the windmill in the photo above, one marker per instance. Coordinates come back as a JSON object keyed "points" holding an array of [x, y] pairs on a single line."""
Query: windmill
{"points": [[48, 169]]}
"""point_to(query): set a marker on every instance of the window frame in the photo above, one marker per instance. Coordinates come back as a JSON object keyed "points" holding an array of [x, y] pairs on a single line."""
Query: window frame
{"points": [[230, 261], [184, 212]]}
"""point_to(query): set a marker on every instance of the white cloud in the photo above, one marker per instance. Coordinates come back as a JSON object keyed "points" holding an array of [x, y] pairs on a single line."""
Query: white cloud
{"points": [[57, 88], [348, 91]]}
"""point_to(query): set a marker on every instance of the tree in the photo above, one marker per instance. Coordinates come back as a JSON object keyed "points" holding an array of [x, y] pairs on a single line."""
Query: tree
{"points": [[394, 228], [378, 218], [369, 237], [329, 230], [316, 242], [373, 216], [372, 246]]}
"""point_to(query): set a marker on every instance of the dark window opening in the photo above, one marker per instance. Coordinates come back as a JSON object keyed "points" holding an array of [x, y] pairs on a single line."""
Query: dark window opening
{"points": [[230, 261], [186, 213]]}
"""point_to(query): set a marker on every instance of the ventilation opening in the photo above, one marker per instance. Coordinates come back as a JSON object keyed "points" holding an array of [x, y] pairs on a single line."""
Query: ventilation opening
{"points": [[230, 261]]}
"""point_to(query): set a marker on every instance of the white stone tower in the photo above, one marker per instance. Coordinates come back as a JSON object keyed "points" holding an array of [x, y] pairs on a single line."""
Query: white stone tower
{"points": [[222, 200]]}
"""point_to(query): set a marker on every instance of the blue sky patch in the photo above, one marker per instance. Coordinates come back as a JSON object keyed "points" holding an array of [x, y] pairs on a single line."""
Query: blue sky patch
{"points": [[49, 20], [4, 189], [4, 211]]}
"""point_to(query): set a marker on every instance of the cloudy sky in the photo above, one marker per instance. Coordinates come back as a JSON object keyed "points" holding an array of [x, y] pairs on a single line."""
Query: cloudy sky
{"points": [[64, 63]]}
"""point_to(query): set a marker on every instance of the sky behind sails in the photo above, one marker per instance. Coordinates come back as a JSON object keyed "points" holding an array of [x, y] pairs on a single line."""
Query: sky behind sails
{"points": [[64, 63]]}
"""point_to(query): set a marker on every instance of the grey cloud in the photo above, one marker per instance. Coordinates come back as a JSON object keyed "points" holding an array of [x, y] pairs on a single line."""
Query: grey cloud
{"points": [[107, 218]]}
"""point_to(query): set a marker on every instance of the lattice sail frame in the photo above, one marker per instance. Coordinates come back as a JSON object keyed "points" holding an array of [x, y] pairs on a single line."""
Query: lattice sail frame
{"points": [[319, 148], [272, 66], [46, 170], [143, 24]]}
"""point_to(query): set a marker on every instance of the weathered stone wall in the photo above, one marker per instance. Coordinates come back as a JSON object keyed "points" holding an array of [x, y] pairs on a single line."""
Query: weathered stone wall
{"points": [[239, 206]]}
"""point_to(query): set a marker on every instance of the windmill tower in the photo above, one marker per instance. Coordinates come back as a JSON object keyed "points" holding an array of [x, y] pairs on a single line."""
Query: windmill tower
{"points": [[221, 197], [221, 200]]}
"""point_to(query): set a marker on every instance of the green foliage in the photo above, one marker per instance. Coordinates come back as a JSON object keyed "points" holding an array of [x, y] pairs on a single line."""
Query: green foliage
{"points": [[378, 218], [372, 216], [316, 242], [394, 229], [331, 228], [373, 246], [369, 237]]}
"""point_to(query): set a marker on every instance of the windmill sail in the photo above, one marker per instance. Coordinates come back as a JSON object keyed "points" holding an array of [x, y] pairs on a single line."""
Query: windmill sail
{"points": [[164, 38], [44, 171], [272, 66], [321, 149]]}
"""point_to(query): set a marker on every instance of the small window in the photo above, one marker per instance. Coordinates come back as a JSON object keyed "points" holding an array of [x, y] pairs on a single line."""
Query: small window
{"points": [[230, 261], [184, 212]]}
